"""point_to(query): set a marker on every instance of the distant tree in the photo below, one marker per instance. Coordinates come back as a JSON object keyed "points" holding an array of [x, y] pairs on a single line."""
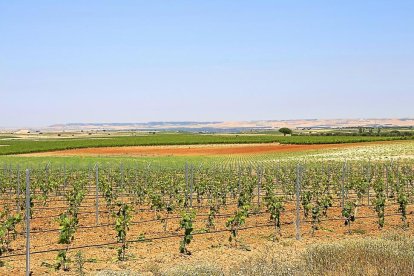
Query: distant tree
{"points": [[285, 131], [395, 133]]}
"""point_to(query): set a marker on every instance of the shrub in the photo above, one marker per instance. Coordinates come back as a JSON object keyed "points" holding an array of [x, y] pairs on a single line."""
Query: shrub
{"points": [[186, 223]]}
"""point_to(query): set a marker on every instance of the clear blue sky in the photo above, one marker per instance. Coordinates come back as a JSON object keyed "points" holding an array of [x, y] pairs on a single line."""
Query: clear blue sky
{"points": [[135, 61]]}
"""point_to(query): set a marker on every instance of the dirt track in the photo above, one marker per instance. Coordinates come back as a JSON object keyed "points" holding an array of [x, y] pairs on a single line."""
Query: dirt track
{"points": [[191, 150]]}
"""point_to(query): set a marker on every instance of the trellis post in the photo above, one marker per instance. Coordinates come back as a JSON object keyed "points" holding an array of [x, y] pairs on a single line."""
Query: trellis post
{"points": [[343, 185], [298, 184], [27, 222], [18, 189], [186, 185], [97, 194], [259, 183], [191, 186]]}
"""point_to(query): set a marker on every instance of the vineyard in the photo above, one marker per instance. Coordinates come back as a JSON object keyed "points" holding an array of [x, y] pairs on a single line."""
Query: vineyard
{"points": [[57, 217]]}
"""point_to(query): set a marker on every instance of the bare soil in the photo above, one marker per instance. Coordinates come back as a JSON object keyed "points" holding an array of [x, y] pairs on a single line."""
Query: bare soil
{"points": [[154, 254]]}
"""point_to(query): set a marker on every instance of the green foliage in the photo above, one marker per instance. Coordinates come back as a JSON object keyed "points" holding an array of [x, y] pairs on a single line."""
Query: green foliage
{"points": [[108, 191], [348, 212], [67, 231], [66, 236], [211, 217], [275, 207], [122, 220], [235, 222], [62, 260], [45, 189], [80, 261], [379, 204], [68, 222], [325, 203], [75, 198], [306, 202], [31, 204], [403, 202], [157, 204], [8, 231], [316, 212], [285, 131], [186, 224]]}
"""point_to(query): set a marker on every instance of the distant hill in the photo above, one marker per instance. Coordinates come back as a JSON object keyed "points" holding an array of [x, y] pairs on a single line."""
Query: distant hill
{"points": [[217, 126]]}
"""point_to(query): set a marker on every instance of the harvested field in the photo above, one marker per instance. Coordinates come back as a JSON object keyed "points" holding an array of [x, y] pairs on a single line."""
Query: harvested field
{"points": [[196, 150]]}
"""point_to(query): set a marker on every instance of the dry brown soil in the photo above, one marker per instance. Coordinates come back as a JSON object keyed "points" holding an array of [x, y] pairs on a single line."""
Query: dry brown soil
{"points": [[163, 253]]}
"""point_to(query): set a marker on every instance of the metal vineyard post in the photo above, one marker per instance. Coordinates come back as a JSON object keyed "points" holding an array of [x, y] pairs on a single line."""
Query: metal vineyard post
{"points": [[97, 194], [191, 185], [343, 185], [298, 176], [27, 222], [186, 185], [18, 189]]}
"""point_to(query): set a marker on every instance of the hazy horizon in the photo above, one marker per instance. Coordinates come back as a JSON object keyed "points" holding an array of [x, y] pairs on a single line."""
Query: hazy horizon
{"points": [[351, 122], [140, 61]]}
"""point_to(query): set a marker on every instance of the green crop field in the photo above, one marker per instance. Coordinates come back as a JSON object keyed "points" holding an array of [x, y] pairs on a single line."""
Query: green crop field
{"points": [[19, 146], [397, 150]]}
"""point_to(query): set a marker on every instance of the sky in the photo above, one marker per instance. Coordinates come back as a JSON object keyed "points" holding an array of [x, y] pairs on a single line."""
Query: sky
{"points": [[234, 60]]}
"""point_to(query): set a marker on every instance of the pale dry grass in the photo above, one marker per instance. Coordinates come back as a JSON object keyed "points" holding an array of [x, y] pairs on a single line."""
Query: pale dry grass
{"points": [[360, 257], [392, 254]]}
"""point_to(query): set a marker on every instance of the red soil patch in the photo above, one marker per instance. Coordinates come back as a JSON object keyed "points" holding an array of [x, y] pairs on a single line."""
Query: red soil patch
{"points": [[191, 150]]}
